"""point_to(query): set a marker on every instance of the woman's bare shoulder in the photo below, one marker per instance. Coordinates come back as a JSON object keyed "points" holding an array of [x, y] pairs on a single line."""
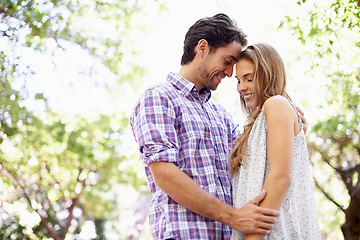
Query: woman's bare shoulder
{"points": [[277, 101]]}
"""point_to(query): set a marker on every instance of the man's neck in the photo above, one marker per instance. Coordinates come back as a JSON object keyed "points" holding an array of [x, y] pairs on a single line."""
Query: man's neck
{"points": [[190, 73]]}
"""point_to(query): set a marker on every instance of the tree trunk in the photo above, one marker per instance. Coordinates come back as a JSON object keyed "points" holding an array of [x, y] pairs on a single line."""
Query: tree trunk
{"points": [[351, 227]]}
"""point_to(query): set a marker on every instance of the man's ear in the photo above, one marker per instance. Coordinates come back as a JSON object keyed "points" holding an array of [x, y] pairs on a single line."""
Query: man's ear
{"points": [[202, 47]]}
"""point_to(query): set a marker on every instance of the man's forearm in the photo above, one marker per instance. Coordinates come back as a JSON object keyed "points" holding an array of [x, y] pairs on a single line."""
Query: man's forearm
{"points": [[185, 191]]}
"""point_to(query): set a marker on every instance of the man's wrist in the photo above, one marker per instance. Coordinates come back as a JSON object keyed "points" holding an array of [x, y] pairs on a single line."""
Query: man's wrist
{"points": [[225, 214]]}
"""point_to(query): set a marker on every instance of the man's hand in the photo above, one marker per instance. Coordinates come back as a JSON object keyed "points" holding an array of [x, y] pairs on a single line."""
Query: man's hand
{"points": [[302, 116], [251, 218]]}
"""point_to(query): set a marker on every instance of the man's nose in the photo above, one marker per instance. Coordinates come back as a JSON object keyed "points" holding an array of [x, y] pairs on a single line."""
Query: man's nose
{"points": [[229, 71]]}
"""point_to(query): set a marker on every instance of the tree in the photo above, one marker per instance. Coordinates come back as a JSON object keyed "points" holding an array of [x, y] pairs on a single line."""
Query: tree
{"points": [[58, 168], [331, 31], [57, 172]]}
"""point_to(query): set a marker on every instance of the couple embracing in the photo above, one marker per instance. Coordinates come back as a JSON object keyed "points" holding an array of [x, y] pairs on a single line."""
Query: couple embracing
{"points": [[210, 180]]}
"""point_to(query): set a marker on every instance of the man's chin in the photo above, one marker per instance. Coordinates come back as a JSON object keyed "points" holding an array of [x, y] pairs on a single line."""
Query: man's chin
{"points": [[213, 88]]}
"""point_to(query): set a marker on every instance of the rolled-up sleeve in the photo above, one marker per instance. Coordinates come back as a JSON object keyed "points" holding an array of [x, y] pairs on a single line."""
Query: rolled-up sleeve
{"points": [[153, 124]]}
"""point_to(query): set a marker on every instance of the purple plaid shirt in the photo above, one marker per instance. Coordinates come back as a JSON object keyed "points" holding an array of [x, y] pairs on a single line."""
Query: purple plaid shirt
{"points": [[174, 122]]}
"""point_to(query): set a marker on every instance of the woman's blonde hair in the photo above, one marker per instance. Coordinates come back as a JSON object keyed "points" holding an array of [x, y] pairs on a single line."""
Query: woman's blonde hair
{"points": [[269, 80]]}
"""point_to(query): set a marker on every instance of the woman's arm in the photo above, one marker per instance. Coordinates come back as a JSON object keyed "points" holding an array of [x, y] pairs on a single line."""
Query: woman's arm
{"points": [[282, 126]]}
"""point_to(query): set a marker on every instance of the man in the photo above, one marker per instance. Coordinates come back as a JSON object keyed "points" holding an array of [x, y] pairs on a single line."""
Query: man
{"points": [[185, 139]]}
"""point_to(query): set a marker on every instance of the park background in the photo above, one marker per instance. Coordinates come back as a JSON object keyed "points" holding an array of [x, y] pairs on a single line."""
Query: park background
{"points": [[71, 72]]}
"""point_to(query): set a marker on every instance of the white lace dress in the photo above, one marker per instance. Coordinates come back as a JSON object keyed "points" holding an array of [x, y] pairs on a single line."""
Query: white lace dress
{"points": [[298, 215]]}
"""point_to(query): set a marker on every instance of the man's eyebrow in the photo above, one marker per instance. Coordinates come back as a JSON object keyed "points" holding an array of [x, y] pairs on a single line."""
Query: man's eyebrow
{"points": [[234, 58]]}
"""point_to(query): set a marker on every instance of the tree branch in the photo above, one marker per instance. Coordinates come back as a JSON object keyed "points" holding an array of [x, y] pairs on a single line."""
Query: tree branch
{"points": [[344, 174], [70, 209], [3, 10], [65, 230], [17, 182], [327, 195], [56, 181], [326, 159]]}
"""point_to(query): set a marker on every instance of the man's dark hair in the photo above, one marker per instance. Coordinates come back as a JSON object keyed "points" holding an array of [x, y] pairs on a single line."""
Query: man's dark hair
{"points": [[218, 31]]}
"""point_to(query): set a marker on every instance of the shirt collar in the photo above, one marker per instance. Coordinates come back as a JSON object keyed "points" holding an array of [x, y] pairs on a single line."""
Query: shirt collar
{"points": [[187, 87]]}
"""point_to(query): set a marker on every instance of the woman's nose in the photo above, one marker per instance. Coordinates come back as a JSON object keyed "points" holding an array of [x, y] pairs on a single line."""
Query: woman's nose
{"points": [[241, 87]]}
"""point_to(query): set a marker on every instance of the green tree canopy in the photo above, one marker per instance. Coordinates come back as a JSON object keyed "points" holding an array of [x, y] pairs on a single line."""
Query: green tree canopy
{"points": [[57, 173]]}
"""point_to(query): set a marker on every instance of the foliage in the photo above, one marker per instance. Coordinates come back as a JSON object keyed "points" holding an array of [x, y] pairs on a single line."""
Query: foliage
{"points": [[331, 32], [100, 27], [337, 146], [326, 20], [59, 166], [57, 173], [56, 166]]}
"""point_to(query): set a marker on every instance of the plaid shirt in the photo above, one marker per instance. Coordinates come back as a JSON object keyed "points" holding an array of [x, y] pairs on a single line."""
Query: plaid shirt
{"points": [[174, 122]]}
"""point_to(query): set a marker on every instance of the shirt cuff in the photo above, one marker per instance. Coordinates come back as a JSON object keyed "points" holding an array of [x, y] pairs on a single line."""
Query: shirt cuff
{"points": [[166, 155]]}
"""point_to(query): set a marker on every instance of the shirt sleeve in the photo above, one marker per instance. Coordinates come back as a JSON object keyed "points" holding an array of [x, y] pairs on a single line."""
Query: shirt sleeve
{"points": [[153, 124]]}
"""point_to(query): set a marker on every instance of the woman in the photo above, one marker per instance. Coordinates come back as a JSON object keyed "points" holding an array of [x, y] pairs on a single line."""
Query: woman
{"points": [[271, 152]]}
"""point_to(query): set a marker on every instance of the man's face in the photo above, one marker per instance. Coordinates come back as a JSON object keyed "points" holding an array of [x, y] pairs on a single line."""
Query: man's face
{"points": [[218, 64]]}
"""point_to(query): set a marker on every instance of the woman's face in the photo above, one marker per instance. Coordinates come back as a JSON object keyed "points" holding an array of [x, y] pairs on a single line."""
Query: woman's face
{"points": [[245, 75]]}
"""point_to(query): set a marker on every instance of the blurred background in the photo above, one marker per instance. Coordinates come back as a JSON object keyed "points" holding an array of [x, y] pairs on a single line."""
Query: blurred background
{"points": [[71, 72]]}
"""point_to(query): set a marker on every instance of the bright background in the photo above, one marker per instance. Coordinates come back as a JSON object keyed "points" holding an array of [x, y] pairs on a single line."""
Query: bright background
{"points": [[159, 50], [76, 83]]}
